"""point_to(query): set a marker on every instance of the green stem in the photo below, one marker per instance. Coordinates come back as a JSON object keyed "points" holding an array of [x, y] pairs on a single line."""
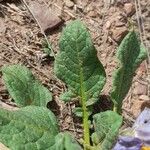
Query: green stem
{"points": [[115, 108], [86, 132]]}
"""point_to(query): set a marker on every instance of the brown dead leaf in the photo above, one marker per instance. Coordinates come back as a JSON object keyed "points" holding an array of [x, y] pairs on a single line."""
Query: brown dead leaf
{"points": [[46, 18]]}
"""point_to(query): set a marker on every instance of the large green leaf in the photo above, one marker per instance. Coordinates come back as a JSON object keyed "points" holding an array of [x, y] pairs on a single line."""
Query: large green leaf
{"points": [[77, 63], [23, 87], [130, 54], [64, 141], [107, 126], [29, 128]]}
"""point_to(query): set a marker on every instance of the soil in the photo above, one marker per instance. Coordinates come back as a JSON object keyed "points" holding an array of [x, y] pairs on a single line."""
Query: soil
{"points": [[21, 41]]}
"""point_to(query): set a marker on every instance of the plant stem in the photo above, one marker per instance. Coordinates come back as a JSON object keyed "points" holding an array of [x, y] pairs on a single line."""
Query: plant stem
{"points": [[86, 132], [115, 108]]}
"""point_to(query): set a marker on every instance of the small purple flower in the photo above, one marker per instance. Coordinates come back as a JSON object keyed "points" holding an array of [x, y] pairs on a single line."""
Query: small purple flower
{"points": [[128, 143], [142, 126]]}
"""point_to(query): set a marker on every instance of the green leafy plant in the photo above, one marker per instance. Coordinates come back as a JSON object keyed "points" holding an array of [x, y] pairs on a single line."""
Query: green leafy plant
{"points": [[77, 64], [82, 71], [130, 55], [47, 48], [23, 87], [31, 127], [106, 126], [35, 128]]}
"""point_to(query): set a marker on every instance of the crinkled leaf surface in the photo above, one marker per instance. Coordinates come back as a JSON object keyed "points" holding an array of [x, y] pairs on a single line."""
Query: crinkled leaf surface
{"points": [[77, 63], [107, 126], [130, 54], [23, 87], [64, 141], [29, 128]]}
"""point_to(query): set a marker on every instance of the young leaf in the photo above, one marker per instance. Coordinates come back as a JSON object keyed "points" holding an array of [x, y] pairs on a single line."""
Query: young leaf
{"points": [[78, 66], [77, 63], [130, 54], [64, 141], [47, 48], [29, 128], [107, 126], [23, 87]]}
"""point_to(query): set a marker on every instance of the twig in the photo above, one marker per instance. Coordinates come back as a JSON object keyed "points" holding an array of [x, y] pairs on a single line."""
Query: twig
{"points": [[138, 19], [42, 31], [142, 30]]}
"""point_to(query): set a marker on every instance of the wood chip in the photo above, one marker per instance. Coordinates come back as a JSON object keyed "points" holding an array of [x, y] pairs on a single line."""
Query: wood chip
{"points": [[144, 97], [69, 3], [119, 33], [140, 89], [129, 9]]}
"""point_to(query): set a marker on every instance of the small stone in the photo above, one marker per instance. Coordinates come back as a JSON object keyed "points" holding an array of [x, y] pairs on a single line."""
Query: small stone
{"points": [[69, 3], [46, 18], [144, 97], [129, 9], [119, 33]]}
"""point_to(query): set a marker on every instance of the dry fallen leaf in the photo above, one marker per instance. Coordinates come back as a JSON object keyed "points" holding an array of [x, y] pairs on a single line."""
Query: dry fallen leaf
{"points": [[45, 17]]}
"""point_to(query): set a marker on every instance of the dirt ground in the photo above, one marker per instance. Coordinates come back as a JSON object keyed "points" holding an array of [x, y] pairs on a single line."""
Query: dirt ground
{"points": [[108, 22]]}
